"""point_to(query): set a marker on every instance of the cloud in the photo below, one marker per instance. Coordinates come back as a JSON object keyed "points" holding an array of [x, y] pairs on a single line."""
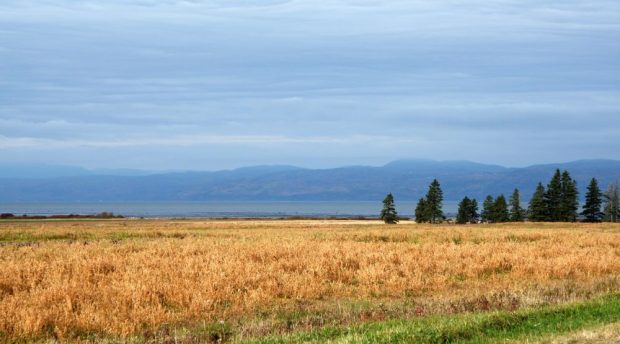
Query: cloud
{"points": [[428, 75], [219, 140]]}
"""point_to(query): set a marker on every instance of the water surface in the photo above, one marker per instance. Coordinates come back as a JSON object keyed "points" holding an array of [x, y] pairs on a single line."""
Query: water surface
{"points": [[215, 209]]}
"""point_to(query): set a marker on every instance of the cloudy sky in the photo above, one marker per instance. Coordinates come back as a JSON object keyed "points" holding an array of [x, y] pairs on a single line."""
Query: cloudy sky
{"points": [[211, 84]]}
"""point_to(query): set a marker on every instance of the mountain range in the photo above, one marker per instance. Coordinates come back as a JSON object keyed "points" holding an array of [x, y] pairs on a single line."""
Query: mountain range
{"points": [[407, 179]]}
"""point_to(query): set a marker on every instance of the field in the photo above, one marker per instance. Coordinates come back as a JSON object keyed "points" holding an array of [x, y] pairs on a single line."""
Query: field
{"points": [[306, 280]]}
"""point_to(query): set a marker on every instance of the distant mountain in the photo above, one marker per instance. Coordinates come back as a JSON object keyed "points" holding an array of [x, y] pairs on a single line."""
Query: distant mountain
{"points": [[407, 179], [41, 171]]}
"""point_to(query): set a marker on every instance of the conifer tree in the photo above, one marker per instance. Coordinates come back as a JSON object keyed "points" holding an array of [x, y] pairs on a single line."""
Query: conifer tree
{"points": [[468, 211], [612, 203], [500, 210], [421, 212], [553, 198], [434, 202], [594, 199], [537, 207], [569, 203], [388, 213], [517, 214], [473, 211], [464, 212], [487, 209]]}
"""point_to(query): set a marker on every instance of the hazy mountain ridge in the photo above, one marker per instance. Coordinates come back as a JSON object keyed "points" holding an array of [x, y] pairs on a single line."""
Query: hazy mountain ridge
{"points": [[43, 171], [407, 179]]}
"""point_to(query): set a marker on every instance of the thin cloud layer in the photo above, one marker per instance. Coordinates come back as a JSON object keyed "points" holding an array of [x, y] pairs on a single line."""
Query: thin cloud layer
{"points": [[156, 84]]}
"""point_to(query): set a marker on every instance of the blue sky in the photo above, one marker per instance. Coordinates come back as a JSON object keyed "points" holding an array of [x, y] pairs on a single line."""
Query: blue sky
{"points": [[192, 84]]}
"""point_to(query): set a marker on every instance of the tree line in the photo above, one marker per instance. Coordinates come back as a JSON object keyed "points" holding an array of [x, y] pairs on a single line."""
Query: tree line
{"points": [[557, 202]]}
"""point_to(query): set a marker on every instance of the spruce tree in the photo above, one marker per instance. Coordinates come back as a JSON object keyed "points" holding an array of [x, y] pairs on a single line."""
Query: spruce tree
{"points": [[517, 214], [388, 213], [553, 198], [500, 209], [487, 209], [434, 202], [594, 199], [463, 215], [537, 208], [473, 211], [612, 203], [569, 203], [421, 213]]}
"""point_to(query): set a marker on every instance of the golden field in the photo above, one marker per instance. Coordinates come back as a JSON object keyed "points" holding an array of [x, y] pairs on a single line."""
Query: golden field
{"points": [[147, 279]]}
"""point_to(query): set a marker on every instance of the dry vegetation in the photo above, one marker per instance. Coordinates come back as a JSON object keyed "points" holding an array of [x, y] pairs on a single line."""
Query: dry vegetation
{"points": [[109, 278]]}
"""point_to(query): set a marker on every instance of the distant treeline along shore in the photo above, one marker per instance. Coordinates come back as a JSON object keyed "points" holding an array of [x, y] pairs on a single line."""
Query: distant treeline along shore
{"points": [[103, 215], [558, 202]]}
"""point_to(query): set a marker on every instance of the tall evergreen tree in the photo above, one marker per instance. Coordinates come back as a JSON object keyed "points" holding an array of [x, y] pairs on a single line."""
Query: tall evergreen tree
{"points": [[421, 213], [434, 202], [487, 209], [463, 214], [388, 213], [500, 210], [569, 203], [612, 203], [468, 211], [553, 197], [517, 214], [537, 210], [473, 211], [594, 199]]}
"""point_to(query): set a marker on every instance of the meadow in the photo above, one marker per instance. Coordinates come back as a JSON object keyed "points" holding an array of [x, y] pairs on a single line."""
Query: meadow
{"points": [[303, 280]]}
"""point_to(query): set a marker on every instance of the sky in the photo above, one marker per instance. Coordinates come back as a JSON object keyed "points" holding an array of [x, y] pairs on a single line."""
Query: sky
{"points": [[215, 84]]}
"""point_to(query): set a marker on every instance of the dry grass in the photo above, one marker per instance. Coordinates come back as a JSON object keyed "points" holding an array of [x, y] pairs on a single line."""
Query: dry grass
{"points": [[72, 279]]}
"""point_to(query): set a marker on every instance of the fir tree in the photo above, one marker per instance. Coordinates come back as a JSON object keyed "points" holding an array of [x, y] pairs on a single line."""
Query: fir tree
{"points": [[463, 216], [473, 211], [537, 208], [388, 213], [500, 210], [612, 203], [487, 209], [421, 212], [434, 202], [569, 203], [594, 199], [517, 214], [553, 198]]}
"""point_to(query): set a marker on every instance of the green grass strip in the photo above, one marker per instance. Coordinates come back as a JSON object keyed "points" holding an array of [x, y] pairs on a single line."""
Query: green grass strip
{"points": [[470, 328]]}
